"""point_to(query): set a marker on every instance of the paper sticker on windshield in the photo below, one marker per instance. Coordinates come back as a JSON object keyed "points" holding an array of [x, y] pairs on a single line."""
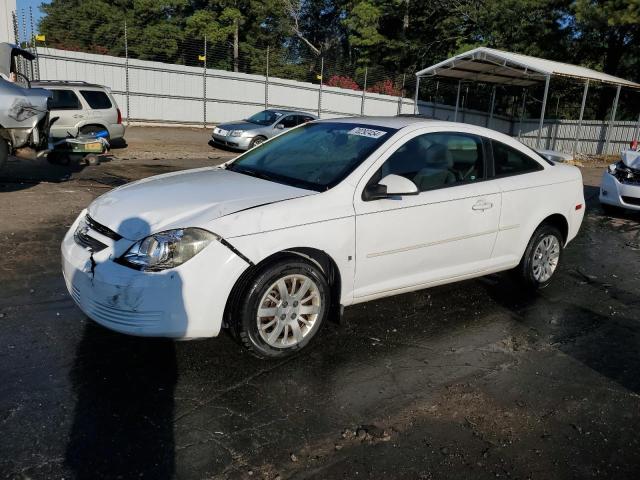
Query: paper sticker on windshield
{"points": [[367, 132]]}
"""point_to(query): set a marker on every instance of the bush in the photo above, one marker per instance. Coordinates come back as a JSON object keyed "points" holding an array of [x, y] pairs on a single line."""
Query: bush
{"points": [[385, 87], [343, 82]]}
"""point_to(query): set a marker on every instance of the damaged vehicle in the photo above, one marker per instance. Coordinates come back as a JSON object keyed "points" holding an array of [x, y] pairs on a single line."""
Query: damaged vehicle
{"points": [[620, 186], [24, 112], [333, 213]]}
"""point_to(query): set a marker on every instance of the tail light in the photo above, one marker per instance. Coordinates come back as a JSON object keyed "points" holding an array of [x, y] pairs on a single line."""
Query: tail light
{"points": [[119, 116]]}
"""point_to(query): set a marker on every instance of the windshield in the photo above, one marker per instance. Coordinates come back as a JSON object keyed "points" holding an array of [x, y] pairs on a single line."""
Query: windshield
{"points": [[266, 117], [315, 156]]}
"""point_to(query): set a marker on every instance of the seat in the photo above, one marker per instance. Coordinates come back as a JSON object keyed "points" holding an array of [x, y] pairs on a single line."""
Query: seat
{"points": [[408, 161], [437, 171]]}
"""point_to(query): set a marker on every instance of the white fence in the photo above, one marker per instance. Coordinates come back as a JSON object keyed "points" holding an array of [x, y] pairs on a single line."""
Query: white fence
{"points": [[154, 92]]}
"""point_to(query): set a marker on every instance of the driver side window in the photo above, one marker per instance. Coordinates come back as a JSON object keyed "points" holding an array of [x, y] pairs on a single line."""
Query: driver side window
{"points": [[437, 160]]}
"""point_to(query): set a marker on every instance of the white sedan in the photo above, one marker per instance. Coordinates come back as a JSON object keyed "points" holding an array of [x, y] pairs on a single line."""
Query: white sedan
{"points": [[327, 215], [620, 186]]}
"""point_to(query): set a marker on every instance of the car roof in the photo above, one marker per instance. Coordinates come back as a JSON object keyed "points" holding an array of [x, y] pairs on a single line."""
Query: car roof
{"points": [[284, 112], [66, 83], [397, 122], [402, 121]]}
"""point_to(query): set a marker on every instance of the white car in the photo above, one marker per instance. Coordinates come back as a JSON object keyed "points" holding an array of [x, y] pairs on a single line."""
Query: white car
{"points": [[329, 214], [620, 186]]}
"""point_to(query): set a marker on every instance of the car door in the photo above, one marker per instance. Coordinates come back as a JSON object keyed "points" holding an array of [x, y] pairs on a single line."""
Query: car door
{"points": [[444, 232], [65, 105], [286, 122]]}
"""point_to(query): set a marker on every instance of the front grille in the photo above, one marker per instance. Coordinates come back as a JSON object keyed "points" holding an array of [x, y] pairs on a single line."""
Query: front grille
{"points": [[93, 225], [85, 240], [631, 200]]}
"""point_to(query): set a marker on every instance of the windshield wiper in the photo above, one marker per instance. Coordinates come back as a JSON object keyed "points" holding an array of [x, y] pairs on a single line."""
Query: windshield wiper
{"points": [[251, 173]]}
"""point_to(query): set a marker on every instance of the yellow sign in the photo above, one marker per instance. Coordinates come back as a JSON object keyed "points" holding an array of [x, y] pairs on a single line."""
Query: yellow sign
{"points": [[319, 77], [40, 38], [202, 58]]}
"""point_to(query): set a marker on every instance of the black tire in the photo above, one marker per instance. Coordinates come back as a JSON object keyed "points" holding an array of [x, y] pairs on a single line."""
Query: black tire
{"points": [[257, 141], [4, 153], [610, 210], [525, 270], [245, 318], [58, 158]]}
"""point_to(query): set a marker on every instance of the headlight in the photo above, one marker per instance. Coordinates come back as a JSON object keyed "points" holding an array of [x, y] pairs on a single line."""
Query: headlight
{"points": [[236, 133], [167, 249]]}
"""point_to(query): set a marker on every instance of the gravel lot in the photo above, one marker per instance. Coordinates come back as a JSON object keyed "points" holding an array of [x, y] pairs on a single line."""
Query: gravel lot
{"points": [[466, 380]]}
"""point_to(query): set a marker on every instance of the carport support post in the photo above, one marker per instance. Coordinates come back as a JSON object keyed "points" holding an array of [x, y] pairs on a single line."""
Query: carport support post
{"points": [[612, 119], [493, 103], [320, 89], [579, 129], [455, 113], [415, 101], [544, 107], [524, 104], [364, 92]]}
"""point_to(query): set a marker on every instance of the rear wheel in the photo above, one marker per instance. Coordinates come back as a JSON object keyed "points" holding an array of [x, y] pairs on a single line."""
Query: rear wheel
{"points": [[4, 153], [542, 257], [283, 308]]}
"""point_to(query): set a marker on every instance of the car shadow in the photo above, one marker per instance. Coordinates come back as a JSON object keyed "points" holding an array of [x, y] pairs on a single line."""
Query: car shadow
{"points": [[20, 174], [124, 385], [224, 148], [604, 343]]}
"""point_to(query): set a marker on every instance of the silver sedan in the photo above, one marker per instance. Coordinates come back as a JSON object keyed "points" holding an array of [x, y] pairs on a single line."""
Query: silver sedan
{"points": [[246, 134]]}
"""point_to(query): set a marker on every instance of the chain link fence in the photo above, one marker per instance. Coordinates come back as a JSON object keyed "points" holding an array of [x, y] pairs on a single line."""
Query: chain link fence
{"points": [[177, 78]]}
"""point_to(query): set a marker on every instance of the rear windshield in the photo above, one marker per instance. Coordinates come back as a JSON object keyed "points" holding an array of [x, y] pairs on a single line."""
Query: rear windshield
{"points": [[315, 156], [96, 99]]}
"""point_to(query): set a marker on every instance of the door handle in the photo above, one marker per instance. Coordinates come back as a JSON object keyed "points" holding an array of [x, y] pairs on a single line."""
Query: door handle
{"points": [[482, 205]]}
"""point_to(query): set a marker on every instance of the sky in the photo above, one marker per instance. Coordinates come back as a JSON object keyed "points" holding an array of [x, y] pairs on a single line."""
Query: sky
{"points": [[34, 4]]}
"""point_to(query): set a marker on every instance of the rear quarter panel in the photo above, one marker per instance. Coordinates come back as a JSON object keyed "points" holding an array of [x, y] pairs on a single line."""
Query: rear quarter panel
{"points": [[527, 200]]}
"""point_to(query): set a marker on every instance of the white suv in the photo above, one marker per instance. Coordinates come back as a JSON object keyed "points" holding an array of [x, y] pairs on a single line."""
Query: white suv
{"points": [[81, 107]]}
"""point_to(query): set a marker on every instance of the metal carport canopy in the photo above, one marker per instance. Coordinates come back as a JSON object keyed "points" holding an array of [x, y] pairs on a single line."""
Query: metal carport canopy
{"points": [[488, 65], [496, 66]]}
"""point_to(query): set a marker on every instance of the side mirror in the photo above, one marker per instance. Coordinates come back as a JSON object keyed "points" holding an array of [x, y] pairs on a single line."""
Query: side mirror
{"points": [[279, 126], [390, 186]]}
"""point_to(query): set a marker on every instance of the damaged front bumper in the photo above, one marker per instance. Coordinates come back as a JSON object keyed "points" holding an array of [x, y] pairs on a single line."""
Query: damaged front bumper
{"points": [[183, 302], [620, 187]]}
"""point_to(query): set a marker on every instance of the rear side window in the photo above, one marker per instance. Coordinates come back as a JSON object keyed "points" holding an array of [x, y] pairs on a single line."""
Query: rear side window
{"points": [[96, 99], [64, 100], [509, 161], [290, 121], [304, 119]]}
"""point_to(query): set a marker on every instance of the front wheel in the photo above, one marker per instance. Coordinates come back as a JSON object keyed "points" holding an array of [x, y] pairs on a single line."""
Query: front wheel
{"points": [[283, 308], [541, 258], [257, 141]]}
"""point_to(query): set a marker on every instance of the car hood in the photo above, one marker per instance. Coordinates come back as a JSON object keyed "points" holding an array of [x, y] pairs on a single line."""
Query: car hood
{"points": [[184, 199], [240, 125]]}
